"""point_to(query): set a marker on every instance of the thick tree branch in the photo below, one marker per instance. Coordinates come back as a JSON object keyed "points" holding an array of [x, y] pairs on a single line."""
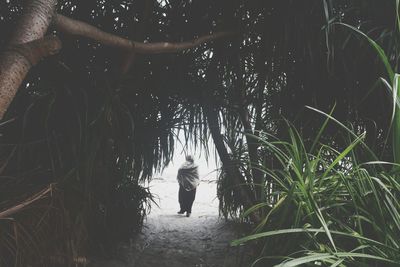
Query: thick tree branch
{"points": [[79, 28], [23, 49], [129, 57], [165, 47], [34, 22], [16, 62], [36, 50]]}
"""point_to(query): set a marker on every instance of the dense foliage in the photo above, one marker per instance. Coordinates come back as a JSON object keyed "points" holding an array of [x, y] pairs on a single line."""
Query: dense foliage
{"points": [[327, 207]]}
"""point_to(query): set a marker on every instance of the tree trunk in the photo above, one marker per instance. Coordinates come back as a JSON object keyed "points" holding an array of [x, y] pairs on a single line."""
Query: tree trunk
{"points": [[230, 168], [252, 146], [251, 141], [14, 63]]}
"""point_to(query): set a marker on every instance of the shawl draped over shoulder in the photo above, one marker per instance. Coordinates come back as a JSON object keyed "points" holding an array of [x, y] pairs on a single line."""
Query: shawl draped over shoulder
{"points": [[188, 176]]}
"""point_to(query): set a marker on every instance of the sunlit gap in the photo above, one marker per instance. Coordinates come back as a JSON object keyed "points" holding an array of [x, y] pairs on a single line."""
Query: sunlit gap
{"points": [[164, 185]]}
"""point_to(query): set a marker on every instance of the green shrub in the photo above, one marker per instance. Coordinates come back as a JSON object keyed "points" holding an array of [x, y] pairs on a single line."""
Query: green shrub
{"points": [[327, 208]]}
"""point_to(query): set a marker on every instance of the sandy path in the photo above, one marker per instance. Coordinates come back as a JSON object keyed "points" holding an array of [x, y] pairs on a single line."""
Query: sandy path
{"points": [[173, 240], [201, 240]]}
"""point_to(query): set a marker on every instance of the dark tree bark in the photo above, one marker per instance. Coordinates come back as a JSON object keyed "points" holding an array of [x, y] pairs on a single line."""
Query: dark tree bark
{"points": [[229, 166], [17, 60]]}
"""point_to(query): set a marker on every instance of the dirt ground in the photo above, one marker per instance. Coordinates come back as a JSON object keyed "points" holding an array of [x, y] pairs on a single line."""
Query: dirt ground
{"points": [[173, 240]]}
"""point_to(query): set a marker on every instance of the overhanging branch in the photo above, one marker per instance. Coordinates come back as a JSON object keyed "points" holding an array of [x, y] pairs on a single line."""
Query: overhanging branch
{"points": [[83, 29], [15, 63]]}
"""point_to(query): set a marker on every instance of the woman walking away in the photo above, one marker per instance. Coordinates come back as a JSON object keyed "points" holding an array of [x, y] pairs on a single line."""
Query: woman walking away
{"points": [[188, 179]]}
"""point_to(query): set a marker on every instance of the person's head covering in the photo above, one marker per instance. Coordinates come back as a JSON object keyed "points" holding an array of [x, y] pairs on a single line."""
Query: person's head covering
{"points": [[189, 158]]}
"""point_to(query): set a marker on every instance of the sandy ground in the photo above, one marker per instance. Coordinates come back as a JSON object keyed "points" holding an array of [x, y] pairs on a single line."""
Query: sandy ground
{"points": [[173, 240]]}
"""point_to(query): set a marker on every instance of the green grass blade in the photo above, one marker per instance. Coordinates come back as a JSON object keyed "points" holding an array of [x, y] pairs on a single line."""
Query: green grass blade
{"points": [[325, 256], [377, 48]]}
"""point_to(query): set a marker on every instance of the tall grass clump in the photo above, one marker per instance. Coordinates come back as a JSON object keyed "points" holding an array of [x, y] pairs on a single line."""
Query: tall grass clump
{"points": [[327, 208], [389, 60]]}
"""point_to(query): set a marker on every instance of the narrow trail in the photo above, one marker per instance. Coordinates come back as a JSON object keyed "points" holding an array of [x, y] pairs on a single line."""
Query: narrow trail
{"points": [[201, 240], [173, 240]]}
